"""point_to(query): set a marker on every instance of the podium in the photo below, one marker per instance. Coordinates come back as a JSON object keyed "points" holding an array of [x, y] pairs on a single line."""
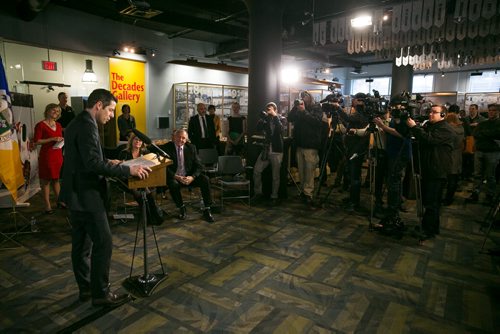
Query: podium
{"points": [[144, 285]]}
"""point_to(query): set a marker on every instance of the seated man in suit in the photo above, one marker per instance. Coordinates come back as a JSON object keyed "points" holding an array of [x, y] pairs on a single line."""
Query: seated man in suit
{"points": [[186, 171]]}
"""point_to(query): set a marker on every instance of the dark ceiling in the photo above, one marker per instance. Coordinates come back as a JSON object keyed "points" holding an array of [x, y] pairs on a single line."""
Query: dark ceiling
{"points": [[225, 23]]}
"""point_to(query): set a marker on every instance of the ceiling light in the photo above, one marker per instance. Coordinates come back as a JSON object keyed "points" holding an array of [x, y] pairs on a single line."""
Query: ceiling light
{"points": [[153, 53], [125, 48], [442, 74], [116, 52], [369, 80], [476, 74], [89, 75], [385, 17], [361, 21]]}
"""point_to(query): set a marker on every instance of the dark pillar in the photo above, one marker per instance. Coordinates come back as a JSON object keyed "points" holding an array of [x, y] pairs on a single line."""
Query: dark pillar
{"points": [[402, 79], [265, 49]]}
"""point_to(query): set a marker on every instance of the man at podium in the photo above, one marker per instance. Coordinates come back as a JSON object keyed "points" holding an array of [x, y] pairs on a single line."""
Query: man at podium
{"points": [[185, 171], [84, 190]]}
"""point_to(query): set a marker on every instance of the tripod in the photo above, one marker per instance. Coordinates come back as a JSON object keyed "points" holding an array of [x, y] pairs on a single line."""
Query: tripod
{"points": [[146, 283], [490, 216], [16, 216]]}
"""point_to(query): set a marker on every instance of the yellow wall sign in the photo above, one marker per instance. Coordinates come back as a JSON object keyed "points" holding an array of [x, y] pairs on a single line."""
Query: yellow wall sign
{"points": [[127, 83]]}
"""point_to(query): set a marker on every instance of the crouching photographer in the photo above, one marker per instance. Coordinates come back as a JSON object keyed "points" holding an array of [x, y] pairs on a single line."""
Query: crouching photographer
{"points": [[436, 142]]}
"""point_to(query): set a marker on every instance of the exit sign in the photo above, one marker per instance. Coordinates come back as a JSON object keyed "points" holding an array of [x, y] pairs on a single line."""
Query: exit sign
{"points": [[49, 65]]}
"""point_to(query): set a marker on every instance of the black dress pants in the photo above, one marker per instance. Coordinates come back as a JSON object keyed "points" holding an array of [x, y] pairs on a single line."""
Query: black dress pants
{"points": [[432, 190], [200, 181], [92, 246]]}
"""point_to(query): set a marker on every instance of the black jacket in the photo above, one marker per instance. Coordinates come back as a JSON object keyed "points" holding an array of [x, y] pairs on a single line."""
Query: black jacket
{"points": [[84, 186], [273, 131], [307, 126], [436, 143], [486, 135], [194, 130]]}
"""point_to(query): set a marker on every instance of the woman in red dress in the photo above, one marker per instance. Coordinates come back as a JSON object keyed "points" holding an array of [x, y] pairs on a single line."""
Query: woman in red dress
{"points": [[48, 134]]}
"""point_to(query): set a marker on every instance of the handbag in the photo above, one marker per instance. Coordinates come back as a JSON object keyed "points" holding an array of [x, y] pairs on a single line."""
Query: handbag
{"points": [[469, 146]]}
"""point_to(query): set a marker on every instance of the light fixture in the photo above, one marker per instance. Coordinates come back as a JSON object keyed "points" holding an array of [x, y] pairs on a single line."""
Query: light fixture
{"points": [[385, 17], [89, 75], [442, 74], [116, 52], [290, 74], [369, 80], [476, 74], [361, 21], [153, 52]]}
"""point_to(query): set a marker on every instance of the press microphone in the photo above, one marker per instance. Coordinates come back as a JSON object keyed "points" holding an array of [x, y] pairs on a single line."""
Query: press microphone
{"points": [[150, 143]]}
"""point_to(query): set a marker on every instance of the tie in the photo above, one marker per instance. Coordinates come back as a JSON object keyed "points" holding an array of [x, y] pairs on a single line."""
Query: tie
{"points": [[180, 162], [204, 134]]}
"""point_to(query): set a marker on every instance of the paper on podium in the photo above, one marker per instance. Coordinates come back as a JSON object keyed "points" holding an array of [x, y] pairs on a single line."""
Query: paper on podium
{"points": [[158, 175], [148, 160]]}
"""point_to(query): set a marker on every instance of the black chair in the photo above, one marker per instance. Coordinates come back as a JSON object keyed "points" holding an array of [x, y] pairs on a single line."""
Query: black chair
{"points": [[231, 179], [209, 158]]}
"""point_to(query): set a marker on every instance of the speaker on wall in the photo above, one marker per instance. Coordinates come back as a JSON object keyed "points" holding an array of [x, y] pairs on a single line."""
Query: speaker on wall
{"points": [[163, 122]]}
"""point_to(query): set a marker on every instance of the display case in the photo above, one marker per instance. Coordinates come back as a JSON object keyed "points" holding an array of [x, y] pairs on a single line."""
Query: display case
{"points": [[445, 97], [481, 99], [189, 94]]}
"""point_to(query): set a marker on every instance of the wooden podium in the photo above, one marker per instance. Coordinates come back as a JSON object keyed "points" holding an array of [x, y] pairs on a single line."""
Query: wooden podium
{"points": [[158, 176], [143, 285]]}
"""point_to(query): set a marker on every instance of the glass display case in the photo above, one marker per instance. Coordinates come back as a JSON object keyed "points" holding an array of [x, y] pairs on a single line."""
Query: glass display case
{"points": [[189, 94], [481, 99]]}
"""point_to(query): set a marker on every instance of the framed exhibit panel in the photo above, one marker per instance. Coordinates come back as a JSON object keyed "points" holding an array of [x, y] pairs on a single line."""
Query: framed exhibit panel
{"points": [[482, 100], [189, 94]]}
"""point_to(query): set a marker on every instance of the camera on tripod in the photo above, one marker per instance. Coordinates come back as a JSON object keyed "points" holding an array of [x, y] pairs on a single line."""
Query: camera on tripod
{"points": [[374, 106], [331, 103], [404, 106]]}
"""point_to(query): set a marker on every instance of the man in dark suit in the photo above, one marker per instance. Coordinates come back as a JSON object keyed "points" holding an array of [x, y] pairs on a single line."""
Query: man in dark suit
{"points": [[84, 190], [201, 129], [186, 171]]}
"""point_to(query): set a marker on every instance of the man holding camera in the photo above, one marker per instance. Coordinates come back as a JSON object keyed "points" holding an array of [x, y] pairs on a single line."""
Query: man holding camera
{"points": [[398, 151], [306, 117], [356, 142], [272, 151], [436, 143]]}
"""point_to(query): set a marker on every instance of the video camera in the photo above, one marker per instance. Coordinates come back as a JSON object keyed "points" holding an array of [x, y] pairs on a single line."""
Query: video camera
{"points": [[328, 103], [404, 106], [374, 106]]}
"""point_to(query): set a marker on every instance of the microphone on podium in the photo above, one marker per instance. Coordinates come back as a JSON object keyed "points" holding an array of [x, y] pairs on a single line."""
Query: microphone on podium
{"points": [[150, 143]]}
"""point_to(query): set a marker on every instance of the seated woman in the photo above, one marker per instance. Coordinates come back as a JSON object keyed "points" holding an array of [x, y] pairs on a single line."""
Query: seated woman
{"points": [[136, 148]]}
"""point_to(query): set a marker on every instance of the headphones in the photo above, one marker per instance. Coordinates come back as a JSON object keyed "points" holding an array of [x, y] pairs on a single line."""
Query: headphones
{"points": [[442, 114]]}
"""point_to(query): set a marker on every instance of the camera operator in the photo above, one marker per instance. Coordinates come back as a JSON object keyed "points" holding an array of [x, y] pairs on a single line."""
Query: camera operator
{"points": [[436, 143], [332, 151], [306, 117], [398, 150], [272, 152], [356, 142]]}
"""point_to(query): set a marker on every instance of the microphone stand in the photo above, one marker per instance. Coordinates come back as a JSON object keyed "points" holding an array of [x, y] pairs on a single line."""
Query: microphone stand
{"points": [[146, 283]]}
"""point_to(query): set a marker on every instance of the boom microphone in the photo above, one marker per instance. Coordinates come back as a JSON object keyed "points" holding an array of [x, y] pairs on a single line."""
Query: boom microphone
{"points": [[153, 147]]}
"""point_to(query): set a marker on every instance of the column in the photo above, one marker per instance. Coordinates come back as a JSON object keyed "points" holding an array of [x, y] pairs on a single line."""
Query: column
{"points": [[402, 79]]}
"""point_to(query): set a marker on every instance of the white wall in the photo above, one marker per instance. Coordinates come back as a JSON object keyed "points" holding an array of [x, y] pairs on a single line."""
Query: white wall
{"points": [[59, 28]]}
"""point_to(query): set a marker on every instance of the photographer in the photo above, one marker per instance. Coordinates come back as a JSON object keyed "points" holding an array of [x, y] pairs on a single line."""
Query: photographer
{"points": [[436, 143], [398, 150], [356, 142], [306, 118], [332, 148], [272, 151]]}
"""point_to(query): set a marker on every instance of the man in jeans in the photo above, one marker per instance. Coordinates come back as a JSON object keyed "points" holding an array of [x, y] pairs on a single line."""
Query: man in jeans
{"points": [[272, 152], [487, 155], [306, 117]]}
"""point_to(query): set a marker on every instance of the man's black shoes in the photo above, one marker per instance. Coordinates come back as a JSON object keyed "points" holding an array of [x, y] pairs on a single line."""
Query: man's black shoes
{"points": [[207, 216], [111, 300]]}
